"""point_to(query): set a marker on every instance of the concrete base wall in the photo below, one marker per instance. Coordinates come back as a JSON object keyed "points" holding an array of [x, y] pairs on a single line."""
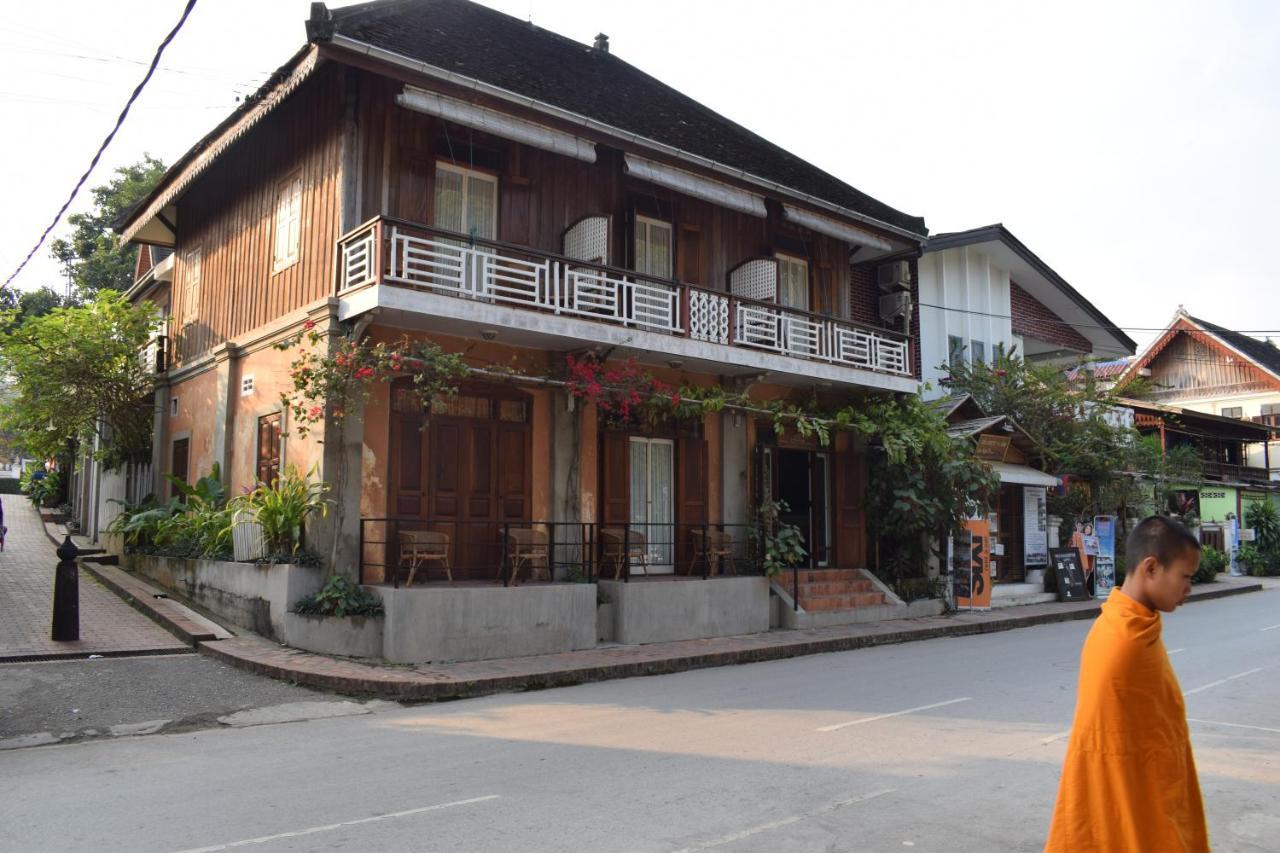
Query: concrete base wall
{"points": [[252, 596], [792, 619], [481, 623], [662, 611], [355, 636]]}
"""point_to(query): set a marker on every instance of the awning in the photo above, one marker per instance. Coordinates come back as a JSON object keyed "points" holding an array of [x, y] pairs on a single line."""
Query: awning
{"points": [[499, 124], [697, 186], [1023, 475]]}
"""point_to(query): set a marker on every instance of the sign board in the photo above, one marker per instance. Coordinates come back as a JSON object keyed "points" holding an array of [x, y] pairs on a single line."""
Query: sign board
{"points": [[1104, 527], [1068, 574], [971, 572], [1248, 534], [997, 549], [992, 448], [1035, 526]]}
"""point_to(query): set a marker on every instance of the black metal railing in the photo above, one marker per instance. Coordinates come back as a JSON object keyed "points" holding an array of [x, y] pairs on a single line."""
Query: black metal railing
{"points": [[393, 550]]}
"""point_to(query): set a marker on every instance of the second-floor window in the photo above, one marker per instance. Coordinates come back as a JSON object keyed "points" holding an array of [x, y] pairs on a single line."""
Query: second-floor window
{"points": [[1270, 414], [955, 351], [793, 282], [191, 275], [653, 247], [978, 351], [1233, 412], [288, 223], [466, 201]]}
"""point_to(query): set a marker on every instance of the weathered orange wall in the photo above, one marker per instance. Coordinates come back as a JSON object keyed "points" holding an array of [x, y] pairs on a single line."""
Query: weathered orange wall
{"points": [[197, 401], [270, 370]]}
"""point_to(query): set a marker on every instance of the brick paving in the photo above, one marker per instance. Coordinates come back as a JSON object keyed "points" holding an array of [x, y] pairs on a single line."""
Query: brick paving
{"points": [[108, 626], [474, 678]]}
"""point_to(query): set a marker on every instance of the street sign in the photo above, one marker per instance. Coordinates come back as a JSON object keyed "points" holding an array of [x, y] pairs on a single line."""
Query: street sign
{"points": [[1068, 574]]}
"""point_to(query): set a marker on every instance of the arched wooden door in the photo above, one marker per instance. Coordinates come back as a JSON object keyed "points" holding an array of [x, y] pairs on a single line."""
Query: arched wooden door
{"points": [[466, 474]]}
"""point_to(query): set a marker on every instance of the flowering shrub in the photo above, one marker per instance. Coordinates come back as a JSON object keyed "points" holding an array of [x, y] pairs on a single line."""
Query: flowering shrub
{"points": [[340, 379], [624, 393]]}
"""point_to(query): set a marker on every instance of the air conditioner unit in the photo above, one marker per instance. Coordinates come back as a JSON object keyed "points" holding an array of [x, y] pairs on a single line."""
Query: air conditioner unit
{"points": [[894, 276], [895, 306]]}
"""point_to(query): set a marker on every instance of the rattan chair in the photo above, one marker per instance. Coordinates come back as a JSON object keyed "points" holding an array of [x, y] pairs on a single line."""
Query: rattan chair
{"points": [[716, 549], [529, 547], [419, 547], [635, 551]]}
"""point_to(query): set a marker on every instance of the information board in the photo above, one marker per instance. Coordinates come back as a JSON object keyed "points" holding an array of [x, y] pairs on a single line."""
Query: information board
{"points": [[1105, 567], [1035, 526], [1068, 574]]}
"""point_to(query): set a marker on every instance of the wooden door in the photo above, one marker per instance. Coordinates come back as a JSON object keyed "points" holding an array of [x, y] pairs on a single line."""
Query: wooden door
{"points": [[1009, 515], [850, 505], [691, 493]]}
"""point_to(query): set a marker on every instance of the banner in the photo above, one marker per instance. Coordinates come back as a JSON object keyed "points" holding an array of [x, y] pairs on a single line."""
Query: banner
{"points": [[971, 577], [1035, 526], [1104, 528]]}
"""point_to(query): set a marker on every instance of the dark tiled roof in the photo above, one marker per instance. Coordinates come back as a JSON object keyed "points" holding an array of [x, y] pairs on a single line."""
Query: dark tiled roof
{"points": [[480, 43], [1262, 352]]}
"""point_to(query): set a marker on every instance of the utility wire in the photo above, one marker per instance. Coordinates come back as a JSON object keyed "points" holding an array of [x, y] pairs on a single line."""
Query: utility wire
{"points": [[1086, 325], [155, 60]]}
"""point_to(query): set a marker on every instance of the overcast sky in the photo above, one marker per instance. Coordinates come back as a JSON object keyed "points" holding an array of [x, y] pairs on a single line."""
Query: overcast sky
{"points": [[1133, 146]]}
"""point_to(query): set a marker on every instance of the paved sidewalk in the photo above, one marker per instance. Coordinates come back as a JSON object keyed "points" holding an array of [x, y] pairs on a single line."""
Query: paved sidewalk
{"points": [[474, 678], [108, 626]]}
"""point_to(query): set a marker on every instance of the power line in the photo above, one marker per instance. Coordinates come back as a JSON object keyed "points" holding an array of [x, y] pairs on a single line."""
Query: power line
{"points": [[155, 61]]}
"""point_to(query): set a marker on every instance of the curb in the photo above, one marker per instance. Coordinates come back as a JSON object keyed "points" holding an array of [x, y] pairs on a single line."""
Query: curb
{"points": [[361, 679], [131, 653], [142, 597]]}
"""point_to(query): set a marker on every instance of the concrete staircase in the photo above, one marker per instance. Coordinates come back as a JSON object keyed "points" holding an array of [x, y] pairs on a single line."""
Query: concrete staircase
{"points": [[841, 597]]}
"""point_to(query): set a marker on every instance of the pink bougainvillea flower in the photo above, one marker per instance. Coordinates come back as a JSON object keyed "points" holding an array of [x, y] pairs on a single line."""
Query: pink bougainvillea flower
{"points": [[314, 412], [310, 324], [364, 373]]}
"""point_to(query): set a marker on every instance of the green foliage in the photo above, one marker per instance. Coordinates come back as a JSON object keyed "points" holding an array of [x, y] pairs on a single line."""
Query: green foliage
{"points": [[93, 255], [1252, 560], [194, 523], [339, 597], [1265, 521], [17, 306], [77, 375], [283, 506], [43, 491], [1212, 561], [781, 545]]}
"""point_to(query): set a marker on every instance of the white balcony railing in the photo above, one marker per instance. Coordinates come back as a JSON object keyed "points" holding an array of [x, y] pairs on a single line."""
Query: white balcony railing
{"points": [[419, 257]]}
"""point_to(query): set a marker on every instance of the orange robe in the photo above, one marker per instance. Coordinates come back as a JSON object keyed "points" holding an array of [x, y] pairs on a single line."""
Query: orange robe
{"points": [[1129, 782]]}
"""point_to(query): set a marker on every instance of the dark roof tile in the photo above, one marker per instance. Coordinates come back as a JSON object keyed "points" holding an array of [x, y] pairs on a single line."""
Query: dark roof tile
{"points": [[1265, 354]]}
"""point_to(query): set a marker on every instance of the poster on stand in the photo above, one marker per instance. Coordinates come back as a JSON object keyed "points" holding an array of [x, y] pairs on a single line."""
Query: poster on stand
{"points": [[1035, 526], [1104, 528], [972, 567]]}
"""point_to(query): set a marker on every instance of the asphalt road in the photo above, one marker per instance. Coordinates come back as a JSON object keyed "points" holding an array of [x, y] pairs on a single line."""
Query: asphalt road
{"points": [[946, 745]]}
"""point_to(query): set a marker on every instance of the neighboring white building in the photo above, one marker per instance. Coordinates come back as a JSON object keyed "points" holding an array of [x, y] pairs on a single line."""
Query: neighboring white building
{"points": [[983, 292]]}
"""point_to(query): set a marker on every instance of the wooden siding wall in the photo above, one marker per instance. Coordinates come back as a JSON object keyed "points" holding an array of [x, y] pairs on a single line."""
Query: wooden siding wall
{"points": [[542, 194], [229, 214], [1188, 367]]}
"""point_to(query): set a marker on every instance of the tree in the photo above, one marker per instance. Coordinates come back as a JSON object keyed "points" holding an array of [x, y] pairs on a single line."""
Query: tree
{"points": [[77, 375], [93, 256], [16, 306]]}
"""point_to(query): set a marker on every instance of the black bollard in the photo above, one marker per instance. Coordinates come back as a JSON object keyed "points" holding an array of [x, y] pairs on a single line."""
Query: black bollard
{"points": [[66, 594]]}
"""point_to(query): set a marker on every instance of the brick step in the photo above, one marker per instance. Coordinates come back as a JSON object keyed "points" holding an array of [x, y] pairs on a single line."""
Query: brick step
{"points": [[827, 575], [847, 587], [842, 602]]}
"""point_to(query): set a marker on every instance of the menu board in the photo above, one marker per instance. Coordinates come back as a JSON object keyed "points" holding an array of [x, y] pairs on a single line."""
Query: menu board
{"points": [[1068, 574]]}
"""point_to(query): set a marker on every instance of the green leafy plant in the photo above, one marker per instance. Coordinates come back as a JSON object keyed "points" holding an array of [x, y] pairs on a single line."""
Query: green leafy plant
{"points": [[339, 597], [1251, 559], [283, 506], [1263, 517], [43, 491], [1212, 561], [781, 545]]}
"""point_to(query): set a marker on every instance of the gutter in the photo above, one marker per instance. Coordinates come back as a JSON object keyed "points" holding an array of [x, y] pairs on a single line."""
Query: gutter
{"points": [[402, 61]]}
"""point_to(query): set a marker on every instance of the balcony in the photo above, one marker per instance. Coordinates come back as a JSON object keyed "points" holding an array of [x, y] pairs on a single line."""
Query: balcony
{"points": [[386, 252], [1227, 472], [154, 357]]}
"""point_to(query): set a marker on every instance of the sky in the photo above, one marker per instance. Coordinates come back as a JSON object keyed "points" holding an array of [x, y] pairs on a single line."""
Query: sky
{"points": [[1135, 147]]}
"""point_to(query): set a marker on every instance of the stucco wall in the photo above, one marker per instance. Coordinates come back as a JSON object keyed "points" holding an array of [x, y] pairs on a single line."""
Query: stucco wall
{"points": [[663, 611], [965, 280]]}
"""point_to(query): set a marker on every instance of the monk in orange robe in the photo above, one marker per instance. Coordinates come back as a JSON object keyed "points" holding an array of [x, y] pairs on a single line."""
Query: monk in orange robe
{"points": [[1129, 781]]}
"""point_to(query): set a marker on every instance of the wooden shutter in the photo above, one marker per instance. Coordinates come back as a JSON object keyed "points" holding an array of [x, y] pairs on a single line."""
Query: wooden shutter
{"points": [[408, 486], [268, 468], [850, 509], [615, 479], [691, 493], [181, 460], [514, 472]]}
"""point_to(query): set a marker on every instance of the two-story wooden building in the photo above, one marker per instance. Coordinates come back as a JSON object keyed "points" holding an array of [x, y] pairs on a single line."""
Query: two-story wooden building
{"points": [[440, 170]]}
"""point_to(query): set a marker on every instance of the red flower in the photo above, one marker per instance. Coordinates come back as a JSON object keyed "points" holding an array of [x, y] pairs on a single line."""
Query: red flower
{"points": [[364, 373], [314, 412], [310, 324], [675, 399]]}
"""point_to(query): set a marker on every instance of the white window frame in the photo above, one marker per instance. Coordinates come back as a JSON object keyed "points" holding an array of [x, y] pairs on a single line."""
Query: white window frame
{"points": [[647, 224], [193, 263], [287, 232], [792, 260], [977, 351], [489, 177]]}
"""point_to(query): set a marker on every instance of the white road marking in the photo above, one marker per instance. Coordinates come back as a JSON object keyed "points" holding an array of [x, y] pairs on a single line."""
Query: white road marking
{"points": [[786, 821], [1269, 628], [331, 826], [1232, 725], [859, 722], [1223, 681], [1175, 651], [1058, 736]]}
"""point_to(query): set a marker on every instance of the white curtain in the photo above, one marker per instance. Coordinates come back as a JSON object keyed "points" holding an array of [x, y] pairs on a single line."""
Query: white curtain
{"points": [[482, 207], [793, 283], [653, 248], [662, 503], [450, 195]]}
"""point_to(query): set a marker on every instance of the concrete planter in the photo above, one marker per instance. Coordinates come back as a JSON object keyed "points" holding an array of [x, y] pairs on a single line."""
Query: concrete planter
{"points": [[354, 636], [661, 611], [249, 595], [444, 623]]}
